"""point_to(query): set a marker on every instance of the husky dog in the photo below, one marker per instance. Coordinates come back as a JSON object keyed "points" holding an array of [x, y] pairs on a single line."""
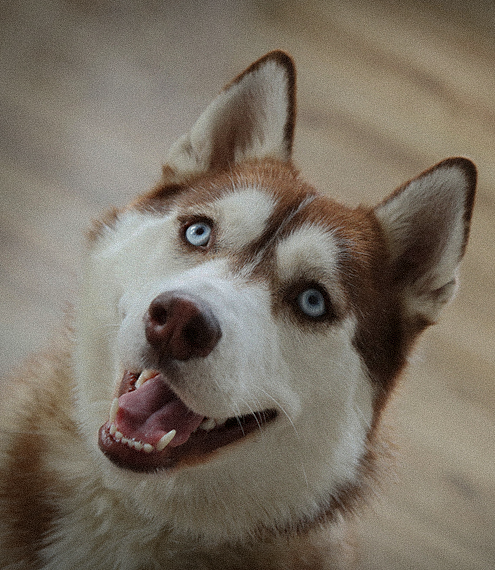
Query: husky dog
{"points": [[217, 402]]}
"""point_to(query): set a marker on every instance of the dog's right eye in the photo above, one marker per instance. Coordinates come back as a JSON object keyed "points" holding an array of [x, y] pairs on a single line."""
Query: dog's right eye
{"points": [[198, 234]]}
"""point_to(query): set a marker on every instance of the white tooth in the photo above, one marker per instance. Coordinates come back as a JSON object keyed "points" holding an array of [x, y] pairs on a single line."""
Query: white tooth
{"points": [[165, 440], [125, 440], [145, 375], [148, 448], [139, 382], [114, 408], [137, 445], [113, 429], [208, 424], [118, 435]]}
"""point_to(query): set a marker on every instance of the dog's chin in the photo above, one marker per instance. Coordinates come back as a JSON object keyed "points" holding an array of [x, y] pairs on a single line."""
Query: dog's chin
{"points": [[151, 429]]}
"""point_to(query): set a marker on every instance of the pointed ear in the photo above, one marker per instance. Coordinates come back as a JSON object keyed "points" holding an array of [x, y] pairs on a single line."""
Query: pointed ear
{"points": [[426, 223], [252, 118]]}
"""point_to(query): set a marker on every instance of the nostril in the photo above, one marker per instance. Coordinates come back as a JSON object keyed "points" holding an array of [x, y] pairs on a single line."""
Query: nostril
{"points": [[158, 313], [201, 332], [192, 332]]}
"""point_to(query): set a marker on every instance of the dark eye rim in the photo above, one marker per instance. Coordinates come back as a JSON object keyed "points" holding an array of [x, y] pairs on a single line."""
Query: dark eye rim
{"points": [[187, 223]]}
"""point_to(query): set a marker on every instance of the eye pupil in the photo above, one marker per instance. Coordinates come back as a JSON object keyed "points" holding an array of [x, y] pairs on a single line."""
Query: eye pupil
{"points": [[198, 234], [313, 299], [312, 303]]}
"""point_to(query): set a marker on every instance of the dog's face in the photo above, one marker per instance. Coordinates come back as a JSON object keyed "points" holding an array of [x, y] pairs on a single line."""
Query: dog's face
{"points": [[239, 333]]}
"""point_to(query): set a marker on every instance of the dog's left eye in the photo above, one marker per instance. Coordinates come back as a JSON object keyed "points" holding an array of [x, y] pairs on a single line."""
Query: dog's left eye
{"points": [[312, 303], [198, 234]]}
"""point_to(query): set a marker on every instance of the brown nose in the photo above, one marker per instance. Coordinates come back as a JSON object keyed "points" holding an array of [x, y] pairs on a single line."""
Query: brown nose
{"points": [[179, 326]]}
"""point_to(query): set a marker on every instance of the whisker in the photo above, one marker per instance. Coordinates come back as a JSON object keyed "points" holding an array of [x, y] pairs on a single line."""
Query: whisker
{"points": [[282, 409], [291, 422], [365, 421]]}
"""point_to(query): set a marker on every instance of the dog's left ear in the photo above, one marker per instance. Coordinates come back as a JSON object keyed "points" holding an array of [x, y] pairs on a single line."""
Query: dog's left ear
{"points": [[252, 118], [426, 223]]}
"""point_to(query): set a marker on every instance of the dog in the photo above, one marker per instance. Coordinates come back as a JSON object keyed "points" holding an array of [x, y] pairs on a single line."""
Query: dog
{"points": [[216, 401]]}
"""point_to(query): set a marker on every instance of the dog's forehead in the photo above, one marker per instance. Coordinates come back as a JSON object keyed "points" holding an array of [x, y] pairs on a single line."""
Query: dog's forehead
{"points": [[291, 223], [305, 248], [265, 219], [241, 213]]}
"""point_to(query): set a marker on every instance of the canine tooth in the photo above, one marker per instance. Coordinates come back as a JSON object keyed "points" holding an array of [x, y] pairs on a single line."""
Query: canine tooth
{"points": [[114, 408], [113, 429], [148, 448], [145, 375], [208, 424], [165, 440]]}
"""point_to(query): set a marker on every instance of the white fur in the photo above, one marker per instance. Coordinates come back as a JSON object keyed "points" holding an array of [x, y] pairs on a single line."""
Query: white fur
{"points": [[246, 214], [311, 252], [242, 215], [258, 364]]}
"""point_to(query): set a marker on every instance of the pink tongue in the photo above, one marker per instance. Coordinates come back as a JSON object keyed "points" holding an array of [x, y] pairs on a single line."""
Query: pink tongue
{"points": [[151, 411]]}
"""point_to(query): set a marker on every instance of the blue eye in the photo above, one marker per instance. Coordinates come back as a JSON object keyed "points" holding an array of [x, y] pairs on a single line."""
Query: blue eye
{"points": [[312, 303], [198, 234]]}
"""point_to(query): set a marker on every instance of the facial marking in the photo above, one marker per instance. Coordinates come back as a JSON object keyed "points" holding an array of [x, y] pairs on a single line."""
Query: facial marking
{"points": [[310, 253], [243, 216], [307, 249]]}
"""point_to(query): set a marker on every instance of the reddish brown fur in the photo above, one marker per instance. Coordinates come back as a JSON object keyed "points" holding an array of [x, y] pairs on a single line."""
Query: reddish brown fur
{"points": [[27, 495], [27, 487]]}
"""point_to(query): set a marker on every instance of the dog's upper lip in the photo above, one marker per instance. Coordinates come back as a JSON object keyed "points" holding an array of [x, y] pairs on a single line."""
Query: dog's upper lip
{"points": [[151, 428]]}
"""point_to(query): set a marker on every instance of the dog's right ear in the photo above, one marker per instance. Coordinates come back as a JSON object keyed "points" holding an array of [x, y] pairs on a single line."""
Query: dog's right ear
{"points": [[252, 118]]}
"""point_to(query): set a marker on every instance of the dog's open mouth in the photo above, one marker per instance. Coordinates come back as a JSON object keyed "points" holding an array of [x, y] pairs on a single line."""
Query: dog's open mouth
{"points": [[151, 428]]}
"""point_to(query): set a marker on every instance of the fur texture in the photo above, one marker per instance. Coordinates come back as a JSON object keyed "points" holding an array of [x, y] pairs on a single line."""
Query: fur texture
{"points": [[271, 324]]}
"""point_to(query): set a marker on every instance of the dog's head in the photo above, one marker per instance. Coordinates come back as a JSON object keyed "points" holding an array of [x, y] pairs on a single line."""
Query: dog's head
{"points": [[239, 333]]}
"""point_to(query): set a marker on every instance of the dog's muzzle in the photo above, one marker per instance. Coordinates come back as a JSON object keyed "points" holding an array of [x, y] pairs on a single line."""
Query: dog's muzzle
{"points": [[150, 427]]}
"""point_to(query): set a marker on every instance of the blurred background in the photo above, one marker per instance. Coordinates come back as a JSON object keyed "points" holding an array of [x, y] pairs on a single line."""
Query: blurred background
{"points": [[92, 94]]}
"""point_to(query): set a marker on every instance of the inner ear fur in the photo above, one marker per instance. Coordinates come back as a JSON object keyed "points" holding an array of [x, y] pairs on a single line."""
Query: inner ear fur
{"points": [[252, 118], [426, 224]]}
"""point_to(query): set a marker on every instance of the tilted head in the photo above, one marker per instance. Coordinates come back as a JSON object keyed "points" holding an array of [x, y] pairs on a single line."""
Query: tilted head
{"points": [[270, 322]]}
